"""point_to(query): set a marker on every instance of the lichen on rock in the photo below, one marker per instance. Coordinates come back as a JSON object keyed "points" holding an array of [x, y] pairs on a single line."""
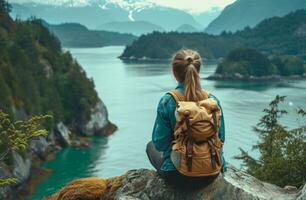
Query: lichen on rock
{"points": [[147, 185]]}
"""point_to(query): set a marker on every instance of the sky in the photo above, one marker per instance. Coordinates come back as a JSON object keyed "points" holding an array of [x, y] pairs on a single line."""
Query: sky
{"points": [[195, 6]]}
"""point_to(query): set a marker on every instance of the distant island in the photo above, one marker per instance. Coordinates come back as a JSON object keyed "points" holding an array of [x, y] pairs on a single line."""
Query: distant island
{"points": [[278, 35], [77, 35], [250, 64]]}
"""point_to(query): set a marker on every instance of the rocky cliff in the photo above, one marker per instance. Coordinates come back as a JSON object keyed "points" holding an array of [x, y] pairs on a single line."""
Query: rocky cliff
{"points": [[144, 184], [23, 165], [38, 77]]}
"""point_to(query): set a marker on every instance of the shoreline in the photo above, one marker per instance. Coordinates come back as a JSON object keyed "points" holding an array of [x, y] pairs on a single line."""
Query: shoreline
{"points": [[148, 59], [239, 77], [39, 173]]}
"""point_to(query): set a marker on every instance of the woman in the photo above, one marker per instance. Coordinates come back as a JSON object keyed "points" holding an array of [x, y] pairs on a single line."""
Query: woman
{"points": [[186, 66]]}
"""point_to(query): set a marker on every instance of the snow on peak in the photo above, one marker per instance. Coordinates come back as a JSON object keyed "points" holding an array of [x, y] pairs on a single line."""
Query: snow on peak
{"points": [[130, 5]]}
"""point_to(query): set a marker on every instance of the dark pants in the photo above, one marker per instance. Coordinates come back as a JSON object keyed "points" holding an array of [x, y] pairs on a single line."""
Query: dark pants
{"points": [[174, 177]]}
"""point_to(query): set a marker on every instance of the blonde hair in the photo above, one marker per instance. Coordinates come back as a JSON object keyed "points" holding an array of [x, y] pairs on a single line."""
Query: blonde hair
{"points": [[186, 66]]}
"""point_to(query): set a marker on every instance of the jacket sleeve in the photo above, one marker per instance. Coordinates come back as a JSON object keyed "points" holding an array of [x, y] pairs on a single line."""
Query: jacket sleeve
{"points": [[162, 130], [221, 133], [222, 124]]}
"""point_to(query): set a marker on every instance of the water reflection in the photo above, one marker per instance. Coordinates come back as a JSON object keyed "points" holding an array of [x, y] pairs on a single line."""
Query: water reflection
{"points": [[71, 163], [147, 69]]}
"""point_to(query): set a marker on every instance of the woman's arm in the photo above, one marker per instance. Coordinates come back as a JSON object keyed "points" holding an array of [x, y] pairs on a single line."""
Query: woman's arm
{"points": [[162, 132], [222, 124], [221, 133]]}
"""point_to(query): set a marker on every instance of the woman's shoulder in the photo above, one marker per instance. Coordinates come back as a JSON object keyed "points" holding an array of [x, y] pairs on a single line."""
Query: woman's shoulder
{"points": [[211, 95], [167, 99], [167, 102]]}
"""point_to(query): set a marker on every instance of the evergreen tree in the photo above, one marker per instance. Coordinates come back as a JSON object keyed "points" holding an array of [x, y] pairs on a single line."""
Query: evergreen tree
{"points": [[282, 159], [5, 6]]}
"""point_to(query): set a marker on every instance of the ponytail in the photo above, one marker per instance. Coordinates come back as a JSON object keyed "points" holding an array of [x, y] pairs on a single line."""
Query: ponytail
{"points": [[186, 66], [193, 91]]}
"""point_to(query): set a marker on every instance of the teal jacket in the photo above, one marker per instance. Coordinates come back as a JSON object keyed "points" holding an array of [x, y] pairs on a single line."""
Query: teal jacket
{"points": [[163, 136]]}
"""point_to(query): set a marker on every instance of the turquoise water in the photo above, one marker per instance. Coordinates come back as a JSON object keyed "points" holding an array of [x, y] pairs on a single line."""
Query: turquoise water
{"points": [[131, 93]]}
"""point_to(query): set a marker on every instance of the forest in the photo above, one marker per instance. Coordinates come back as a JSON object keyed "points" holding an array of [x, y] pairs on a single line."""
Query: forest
{"points": [[37, 77], [277, 35], [250, 62]]}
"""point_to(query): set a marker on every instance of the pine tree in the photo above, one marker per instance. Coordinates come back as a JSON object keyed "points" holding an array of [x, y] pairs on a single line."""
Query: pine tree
{"points": [[282, 151], [5, 6]]}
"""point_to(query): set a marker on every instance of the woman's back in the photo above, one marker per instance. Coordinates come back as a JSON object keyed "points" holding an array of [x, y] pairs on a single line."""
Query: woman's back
{"points": [[186, 66]]}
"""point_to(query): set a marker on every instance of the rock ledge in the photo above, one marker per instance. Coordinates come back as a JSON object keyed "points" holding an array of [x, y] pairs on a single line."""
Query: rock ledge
{"points": [[144, 184]]}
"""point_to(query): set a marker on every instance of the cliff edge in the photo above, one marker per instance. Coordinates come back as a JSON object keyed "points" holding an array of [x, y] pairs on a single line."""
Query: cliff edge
{"points": [[144, 184]]}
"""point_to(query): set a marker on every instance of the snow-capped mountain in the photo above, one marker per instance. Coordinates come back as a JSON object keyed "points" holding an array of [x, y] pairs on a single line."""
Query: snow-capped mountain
{"points": [[94, 13]]}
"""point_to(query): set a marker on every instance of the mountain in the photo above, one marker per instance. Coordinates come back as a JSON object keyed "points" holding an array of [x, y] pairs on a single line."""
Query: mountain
{"points": [[278, 35], [89, 15], [77, 35], [95, 13], [244, 13], [205, 18], [186, 28], [134, 27], [168, 18]]}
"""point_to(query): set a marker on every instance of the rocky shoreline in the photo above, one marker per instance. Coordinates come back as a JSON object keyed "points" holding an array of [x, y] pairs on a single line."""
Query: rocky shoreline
{"points": [[240, 77], [144, 184], [26, 167]]}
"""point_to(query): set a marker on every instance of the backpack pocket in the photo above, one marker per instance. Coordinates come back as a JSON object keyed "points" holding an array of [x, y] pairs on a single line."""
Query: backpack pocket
{"points": [[204, 161]]}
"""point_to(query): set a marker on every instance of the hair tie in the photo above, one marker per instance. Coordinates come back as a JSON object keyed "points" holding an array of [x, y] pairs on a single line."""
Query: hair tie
{"points": [[189, 60]]}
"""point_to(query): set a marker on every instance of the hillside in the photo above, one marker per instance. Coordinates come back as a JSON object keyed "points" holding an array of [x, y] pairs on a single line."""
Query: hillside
{"points": [[77, 35], [205, 18], [243, 13], [133, 27], [248, 64], [281, 35], [38, 78]]}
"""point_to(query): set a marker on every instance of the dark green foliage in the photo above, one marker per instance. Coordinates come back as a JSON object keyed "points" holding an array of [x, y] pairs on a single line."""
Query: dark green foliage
{"points": [[282, 151], [163, 45], [36, 77], [15, 136], [246, 62], [5, 6], [289, 65], [250, 62], [278, 35]]}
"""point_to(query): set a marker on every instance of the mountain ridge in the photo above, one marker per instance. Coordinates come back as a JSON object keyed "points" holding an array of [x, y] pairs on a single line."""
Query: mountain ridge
{"points": [[77, 35], [243, 13], [97, 13]]}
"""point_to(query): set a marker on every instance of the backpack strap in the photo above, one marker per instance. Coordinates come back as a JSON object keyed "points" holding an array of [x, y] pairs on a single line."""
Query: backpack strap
{"points": [[176, 95], [179, 97]]}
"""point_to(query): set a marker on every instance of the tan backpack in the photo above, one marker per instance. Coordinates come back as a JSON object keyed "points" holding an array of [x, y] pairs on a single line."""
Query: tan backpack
{"points": [[196, 149]]}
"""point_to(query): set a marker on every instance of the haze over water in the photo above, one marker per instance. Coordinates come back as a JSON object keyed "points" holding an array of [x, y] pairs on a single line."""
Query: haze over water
{"points": [[131, 93]]}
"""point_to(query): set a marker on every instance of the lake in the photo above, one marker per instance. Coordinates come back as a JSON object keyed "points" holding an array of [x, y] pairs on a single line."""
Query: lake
{"points": [[131, 92]]}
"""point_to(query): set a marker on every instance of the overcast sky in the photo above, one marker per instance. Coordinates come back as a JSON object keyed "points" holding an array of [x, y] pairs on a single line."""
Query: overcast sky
{"points": [[191, 5], [194, 5]]}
